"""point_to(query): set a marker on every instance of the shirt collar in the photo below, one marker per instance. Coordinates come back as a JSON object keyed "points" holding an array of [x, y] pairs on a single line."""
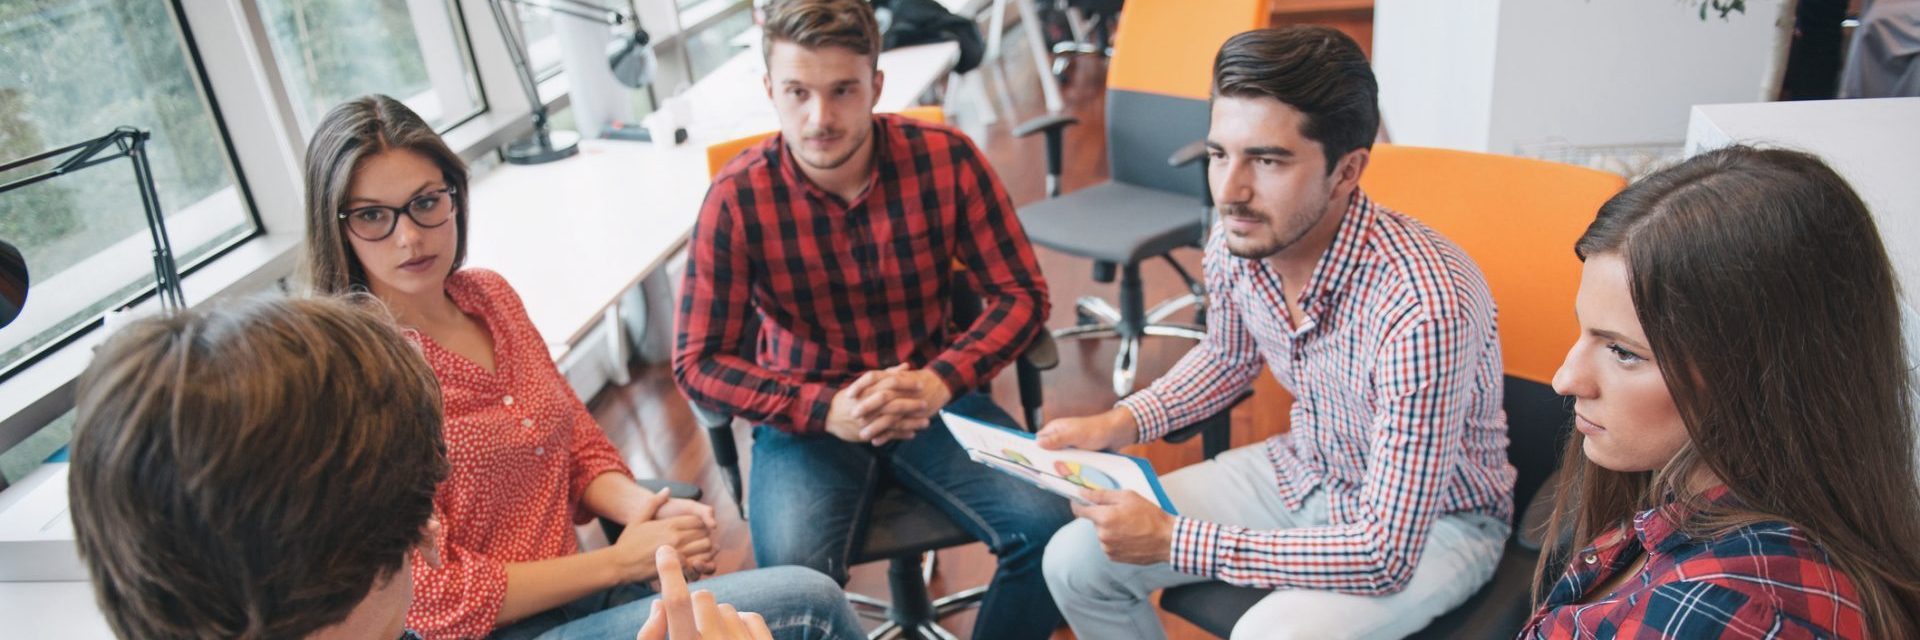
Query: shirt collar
{"points": [[790, 166], [1343, 256], [1659, 529]]}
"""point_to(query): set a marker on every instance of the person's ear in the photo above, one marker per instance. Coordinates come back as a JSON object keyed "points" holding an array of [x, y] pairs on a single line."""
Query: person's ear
{"points": [[1347, 174], [766, 80], [879, 84], [430, 542]]}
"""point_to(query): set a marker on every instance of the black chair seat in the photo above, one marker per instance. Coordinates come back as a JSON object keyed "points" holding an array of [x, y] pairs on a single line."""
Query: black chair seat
{"points": [[1114, 222], [1497, 610], [903, 524]]}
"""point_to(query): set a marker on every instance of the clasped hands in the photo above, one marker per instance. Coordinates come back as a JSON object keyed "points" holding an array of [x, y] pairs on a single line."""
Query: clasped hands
{"points": [[887, 406]]}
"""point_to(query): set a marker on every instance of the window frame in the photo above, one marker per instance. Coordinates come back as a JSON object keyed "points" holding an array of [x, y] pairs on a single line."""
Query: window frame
{"points": [[249, 209], [261, 134]]}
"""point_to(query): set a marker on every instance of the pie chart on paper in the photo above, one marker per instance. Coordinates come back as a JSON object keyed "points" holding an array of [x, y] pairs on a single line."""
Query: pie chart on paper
{"points": [[1085, 476]]}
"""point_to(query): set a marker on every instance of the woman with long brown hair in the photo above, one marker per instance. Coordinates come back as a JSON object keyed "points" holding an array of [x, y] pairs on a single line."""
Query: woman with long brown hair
{"points": [[387, 215], [1743, 463]]}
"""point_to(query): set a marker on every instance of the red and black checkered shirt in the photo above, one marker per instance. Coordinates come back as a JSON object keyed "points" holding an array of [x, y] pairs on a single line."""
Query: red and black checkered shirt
{"points": [[1763, 581], [840, 288]]}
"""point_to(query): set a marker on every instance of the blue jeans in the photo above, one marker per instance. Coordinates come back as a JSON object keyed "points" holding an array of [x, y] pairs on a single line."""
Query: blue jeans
{"points": [[806, 491], [798, 604]]}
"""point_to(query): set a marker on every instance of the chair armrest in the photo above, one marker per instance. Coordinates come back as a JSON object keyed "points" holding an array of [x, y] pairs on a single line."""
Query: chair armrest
{"points": [[1216, 428], [1055, 126], [726, 454], [675, 488], [1050, 122], [1196, 151], [1043, 353], [1193, 152]]}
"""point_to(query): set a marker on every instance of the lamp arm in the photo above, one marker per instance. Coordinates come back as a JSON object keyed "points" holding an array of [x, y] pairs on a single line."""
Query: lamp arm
{"points": [[583, 10], [130, 143]]}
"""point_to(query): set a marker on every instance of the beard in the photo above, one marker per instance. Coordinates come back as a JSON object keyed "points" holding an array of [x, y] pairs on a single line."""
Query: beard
{"points": [[1275, 233], [828, 162]]}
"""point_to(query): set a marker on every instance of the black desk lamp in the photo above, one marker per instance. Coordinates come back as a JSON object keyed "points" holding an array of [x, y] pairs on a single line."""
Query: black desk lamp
{"points": [[124, 142], [631, 63]]}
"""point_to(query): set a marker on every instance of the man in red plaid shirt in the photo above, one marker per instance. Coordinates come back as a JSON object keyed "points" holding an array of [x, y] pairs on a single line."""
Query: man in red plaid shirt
{"points": [[839, 238], [1386, 503]]}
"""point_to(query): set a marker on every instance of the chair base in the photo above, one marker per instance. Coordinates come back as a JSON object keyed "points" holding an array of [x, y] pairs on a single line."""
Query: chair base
{"points": [[889, 629], [1102, 320], [917, 617]]}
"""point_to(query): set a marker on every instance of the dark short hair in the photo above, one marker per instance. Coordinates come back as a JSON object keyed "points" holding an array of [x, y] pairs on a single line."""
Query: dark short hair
{"points": [[253, 470], [813, 24], [1317, 70]]}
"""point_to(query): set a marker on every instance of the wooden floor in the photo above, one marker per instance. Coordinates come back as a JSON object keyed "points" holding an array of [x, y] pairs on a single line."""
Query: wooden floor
{"points": [[649, 421]]}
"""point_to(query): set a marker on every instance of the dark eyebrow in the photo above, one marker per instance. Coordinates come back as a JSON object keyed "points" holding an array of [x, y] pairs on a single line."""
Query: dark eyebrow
{"points": [[1272, 152], [1615, 337], [428, 185]]}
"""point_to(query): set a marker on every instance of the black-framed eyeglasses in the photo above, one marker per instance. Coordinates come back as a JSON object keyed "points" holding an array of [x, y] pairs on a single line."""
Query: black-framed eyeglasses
{"points": [[374, 223]]}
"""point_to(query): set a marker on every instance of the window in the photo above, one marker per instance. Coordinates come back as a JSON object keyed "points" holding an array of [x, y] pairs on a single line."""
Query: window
{"points": [[330, 51], [75, 70], [543, 47]]}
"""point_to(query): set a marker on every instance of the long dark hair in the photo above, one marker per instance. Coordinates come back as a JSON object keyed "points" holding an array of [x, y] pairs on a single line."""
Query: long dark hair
{"points": [[351, 132], [1768, 298]]}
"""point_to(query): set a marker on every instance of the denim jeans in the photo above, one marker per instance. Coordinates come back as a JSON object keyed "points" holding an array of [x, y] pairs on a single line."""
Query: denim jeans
{"points": [[806, 491], [798, 604], [1107, 599]]}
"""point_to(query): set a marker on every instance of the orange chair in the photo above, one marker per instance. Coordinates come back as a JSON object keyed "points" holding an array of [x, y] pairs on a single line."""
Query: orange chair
{"points": [[720, 153], [1518, 219], [1157, 112]]}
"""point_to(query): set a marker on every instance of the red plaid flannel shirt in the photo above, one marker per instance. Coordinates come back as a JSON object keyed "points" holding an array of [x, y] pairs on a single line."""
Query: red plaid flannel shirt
{"points": [[841, 288], [1764, 581]]}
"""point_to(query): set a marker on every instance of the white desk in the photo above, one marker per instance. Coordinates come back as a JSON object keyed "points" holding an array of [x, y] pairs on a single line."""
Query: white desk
{"points": [[572, 236]]}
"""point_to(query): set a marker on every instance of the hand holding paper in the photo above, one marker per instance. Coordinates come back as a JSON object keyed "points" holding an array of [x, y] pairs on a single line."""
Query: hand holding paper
{"points": [[1068, 472], [1131, 529]]}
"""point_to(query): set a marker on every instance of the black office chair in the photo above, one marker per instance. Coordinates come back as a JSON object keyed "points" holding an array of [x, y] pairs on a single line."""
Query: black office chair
{"points": [[1538, 422], [1078, 28], [894, 524], [1157, 88]]}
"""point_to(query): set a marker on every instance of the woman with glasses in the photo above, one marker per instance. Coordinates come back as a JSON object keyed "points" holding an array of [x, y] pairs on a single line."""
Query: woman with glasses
{"points": [[1742, 464], [387, 214]]}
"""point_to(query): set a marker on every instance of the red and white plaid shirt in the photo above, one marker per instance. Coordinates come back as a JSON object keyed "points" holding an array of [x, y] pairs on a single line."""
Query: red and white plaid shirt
{"points": [[1395, 367]]}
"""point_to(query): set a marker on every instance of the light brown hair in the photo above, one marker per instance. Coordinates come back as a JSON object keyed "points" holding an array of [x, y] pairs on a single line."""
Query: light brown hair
{"points": [[813, 24], [253, 470], [1771, 307], [351, 132]]}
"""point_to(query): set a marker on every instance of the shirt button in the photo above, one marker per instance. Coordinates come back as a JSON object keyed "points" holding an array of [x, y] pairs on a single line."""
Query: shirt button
{"points": [[1591, 558], [526, 422], [508, 400], [539, 451]]}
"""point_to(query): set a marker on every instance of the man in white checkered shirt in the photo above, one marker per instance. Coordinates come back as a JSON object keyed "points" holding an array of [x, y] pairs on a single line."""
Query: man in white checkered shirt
{"points": [[1388, 501]]}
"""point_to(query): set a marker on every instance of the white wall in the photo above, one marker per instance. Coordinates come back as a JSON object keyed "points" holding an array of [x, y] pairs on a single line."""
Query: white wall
{"points": [[1435, 63], [1578, 73]]}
